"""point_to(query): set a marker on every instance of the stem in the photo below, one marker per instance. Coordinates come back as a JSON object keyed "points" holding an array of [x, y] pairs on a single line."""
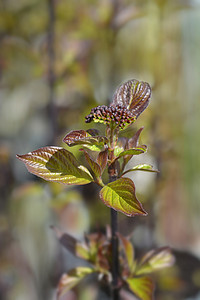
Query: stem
{"points": [[113, 174], [115, 254], [115, 264]]}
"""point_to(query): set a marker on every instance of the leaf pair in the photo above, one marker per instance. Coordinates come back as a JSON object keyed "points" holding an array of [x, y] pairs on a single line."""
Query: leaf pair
{"points": [[135, 274], [59, 165], [128, 147], [155, 260], [95, 249]]}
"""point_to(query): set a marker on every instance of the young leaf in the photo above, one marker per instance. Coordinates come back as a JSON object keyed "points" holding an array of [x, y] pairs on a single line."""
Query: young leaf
{"points": [[142, 287], [129, 251], [144, 167], [134, 95], [94, 165], [74, 136], [155, 260], [134, 151], [56, 164], [81, 137], [73, 245], [133, 142], [118, 150], [120, 195], [72, 278], [102, 159], [93, 131]]}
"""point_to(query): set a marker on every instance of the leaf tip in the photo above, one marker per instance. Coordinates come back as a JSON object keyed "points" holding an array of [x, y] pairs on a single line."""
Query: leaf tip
{"points": [[20, 157]]}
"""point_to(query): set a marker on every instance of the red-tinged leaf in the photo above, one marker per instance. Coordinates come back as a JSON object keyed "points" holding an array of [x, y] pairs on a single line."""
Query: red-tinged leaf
{"points": [[102, 159], [133, 142], [103, 258], [120, 195], [134, 95], [123, 142], [134, 151], [73, 245], [72, 278], [74, 136], [142, 287], [143, 167], [81, 137], [155, 260], [93, 132], [94, 165], [56, 164], [129, 251]]}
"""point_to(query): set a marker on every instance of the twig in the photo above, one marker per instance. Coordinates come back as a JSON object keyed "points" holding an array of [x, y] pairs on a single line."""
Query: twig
{"points": [[115, 254]]}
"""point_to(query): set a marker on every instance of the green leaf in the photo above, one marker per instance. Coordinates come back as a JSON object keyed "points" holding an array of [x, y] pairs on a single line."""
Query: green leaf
{"points": [[82, 137], [118, 150], [120, 195], [134, 151], [143, 167], [94, 165], [142, 287], [155, 260], [56, 164], [72, 278], [91, 147], [129, 251], [82, 251]]}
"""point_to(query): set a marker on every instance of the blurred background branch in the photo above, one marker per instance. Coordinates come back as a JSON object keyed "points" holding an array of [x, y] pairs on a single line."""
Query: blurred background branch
{"points": [[51, 68]]}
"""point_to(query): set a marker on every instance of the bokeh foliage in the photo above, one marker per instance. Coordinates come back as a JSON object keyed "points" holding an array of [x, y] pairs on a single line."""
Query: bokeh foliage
{"points": [[98, 44]]}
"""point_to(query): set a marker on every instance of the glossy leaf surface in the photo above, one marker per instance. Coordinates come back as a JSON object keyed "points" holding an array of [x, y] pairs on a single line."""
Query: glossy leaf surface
{"points": [[120, 195], [155, 260], [73, 137], [142, 287], [56, 164], [142, 167], [134, 95], [134, 151], [81, 137]]}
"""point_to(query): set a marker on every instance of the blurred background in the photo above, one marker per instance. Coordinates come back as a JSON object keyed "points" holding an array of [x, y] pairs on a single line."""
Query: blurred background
{"points": [[60, 58]]}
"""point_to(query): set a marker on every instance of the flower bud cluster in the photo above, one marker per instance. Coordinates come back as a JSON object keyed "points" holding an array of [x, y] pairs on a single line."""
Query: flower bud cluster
{"points": [[107, 114]]}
